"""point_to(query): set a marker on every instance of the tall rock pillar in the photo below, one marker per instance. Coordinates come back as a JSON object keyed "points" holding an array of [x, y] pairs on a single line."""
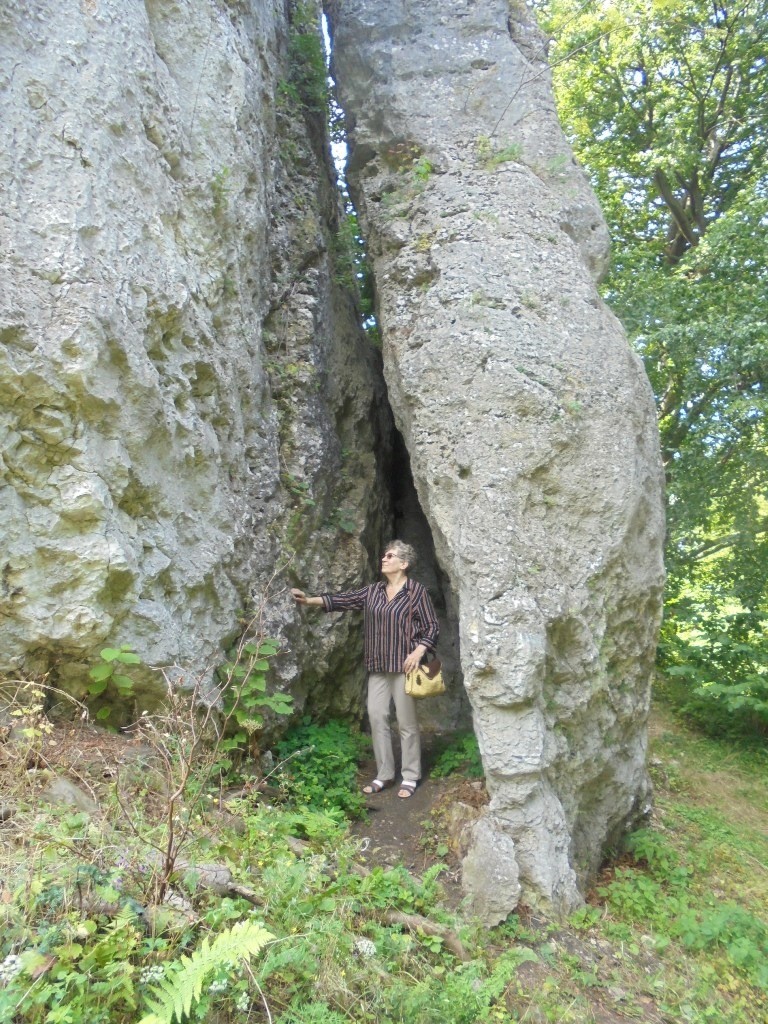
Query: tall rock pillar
{"points": [[529, 421]]}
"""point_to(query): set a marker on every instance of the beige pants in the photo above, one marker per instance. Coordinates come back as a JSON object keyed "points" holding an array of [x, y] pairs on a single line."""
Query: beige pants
{"points": [[383, 688]]}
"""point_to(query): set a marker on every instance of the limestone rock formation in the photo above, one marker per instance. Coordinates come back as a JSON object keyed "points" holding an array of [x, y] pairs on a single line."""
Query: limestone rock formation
{"points": [[187, 403], [190, 410], [530, 423]]}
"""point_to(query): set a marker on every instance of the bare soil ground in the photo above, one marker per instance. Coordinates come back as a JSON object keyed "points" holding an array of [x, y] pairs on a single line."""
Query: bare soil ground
{"points": [[405, 831]]}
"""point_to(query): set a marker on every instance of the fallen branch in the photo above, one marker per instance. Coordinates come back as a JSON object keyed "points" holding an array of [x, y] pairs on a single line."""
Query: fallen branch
{"points": [[416, 923], [247, 894]]}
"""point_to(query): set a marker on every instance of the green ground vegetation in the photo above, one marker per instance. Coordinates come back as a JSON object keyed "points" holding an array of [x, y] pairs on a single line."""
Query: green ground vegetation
{"points": [[300, 927]]}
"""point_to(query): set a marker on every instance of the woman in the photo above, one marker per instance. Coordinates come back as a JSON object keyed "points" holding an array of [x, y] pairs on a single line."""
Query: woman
{"points": [[391, 650]]}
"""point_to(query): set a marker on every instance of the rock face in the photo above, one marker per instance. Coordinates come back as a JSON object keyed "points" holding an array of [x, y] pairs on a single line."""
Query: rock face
{"points": [[187, 403], [191, 415], [529, 422]]}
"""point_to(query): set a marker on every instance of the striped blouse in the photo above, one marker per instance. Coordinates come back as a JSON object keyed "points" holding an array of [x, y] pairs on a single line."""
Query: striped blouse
{"points": [[386, 622]]}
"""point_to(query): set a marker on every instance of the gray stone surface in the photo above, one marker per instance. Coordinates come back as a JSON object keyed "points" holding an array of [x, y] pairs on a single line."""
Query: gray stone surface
{"points": [[530, 423], [187, 405], [490, 871], [62, 791], [188, 409]]}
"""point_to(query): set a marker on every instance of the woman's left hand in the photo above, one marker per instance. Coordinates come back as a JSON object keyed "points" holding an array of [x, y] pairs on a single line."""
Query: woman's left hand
{"points": [[413, 660]]}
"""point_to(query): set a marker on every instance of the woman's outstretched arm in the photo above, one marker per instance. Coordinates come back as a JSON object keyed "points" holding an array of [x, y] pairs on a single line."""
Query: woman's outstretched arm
{"points": [[350, 600], [301, 598]]}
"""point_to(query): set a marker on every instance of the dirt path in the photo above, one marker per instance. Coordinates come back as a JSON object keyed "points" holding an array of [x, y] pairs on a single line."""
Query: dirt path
{"points": [[411, 831]]}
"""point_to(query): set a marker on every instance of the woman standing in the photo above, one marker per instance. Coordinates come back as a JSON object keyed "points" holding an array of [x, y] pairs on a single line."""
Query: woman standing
{"points": [[400, 628]]}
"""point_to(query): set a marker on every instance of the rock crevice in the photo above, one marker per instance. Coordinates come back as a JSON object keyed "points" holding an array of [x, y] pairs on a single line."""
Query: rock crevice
{"points": [[190, 412], [529, 422]]}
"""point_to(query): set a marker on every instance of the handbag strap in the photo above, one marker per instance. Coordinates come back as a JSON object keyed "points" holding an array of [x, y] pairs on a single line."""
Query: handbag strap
{"points": [[408, 636]]}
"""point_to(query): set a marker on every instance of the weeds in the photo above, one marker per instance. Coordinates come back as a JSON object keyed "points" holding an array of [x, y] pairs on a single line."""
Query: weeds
{"points": [[108, 677], [673, 931], [491, 156], [322, 772], [462, 757]]}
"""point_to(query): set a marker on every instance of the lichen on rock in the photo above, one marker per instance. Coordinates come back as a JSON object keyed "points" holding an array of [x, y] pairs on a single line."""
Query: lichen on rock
{"points": [[530, 423], [187, 401]]}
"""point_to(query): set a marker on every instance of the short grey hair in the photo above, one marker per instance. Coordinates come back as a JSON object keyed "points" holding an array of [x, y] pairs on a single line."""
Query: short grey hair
{"points": [[403, 551]]}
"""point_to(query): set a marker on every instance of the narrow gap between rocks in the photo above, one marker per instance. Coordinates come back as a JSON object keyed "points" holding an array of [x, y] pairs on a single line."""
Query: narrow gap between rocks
{"points": [[452, 712]]}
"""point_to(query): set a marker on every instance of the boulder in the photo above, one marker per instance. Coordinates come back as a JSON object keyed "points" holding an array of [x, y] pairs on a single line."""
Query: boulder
{"points": [[529, 422], [189, 410]]}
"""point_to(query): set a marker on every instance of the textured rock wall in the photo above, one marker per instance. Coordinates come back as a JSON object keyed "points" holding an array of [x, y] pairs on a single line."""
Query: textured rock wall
{"points": [[530, 423], [186, 401]]}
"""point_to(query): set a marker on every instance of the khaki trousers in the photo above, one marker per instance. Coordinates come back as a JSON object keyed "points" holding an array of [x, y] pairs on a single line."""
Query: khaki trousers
{"points": [[383, 688]]}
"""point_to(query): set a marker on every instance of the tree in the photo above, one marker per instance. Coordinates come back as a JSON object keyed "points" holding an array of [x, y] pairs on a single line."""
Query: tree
{"points": [[664, 103]]}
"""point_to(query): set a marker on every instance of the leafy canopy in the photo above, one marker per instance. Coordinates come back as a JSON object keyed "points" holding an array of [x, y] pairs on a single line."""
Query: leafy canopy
{"points": [[663, 101]]}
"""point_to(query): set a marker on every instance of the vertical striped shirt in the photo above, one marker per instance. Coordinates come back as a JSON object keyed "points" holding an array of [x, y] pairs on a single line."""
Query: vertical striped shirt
{"points": [[386, 622]]}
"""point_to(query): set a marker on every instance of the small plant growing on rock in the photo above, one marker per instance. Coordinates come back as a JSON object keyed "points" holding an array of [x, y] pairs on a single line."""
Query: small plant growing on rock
{"points": [[220, 189], [491, 156], [423, 170], [308, 73]]}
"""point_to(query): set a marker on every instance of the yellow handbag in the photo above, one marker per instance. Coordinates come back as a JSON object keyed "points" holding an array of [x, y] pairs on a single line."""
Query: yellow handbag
{"points": [[425, 681]]}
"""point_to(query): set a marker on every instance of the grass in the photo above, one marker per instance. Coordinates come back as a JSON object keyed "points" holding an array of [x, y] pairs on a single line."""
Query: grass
{"points": [[674, 929]]}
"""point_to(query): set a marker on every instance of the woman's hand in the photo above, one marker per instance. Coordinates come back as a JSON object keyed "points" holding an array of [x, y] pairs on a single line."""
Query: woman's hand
{"points": [[301, 598], [413, 660]]}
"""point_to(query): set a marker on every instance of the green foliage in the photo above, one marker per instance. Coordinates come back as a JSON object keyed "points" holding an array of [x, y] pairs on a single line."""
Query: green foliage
{"points": [[665, 905], [245, 697], [414, 169], [492, 155], [320, 770], [396, 888], [352, 269], [664, 103], [343, 519], [679, 932], [107, 674], [716, 669], [312, 1013], [463, 995], [462, 757], [183, 983], [685, 893], [740, 935], [423, 169], [72, 970], [661, 858], [220, 190], [308, 74]]}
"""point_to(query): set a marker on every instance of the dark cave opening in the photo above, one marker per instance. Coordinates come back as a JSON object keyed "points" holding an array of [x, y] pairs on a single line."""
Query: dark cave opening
{"points": [[405, 519], [451, 712]]}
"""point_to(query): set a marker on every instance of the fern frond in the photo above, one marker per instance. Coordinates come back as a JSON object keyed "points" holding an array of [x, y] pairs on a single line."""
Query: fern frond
{"points": [[183, 984]]}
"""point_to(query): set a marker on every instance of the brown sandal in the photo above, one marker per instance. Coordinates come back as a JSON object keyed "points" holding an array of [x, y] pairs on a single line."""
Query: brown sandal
{"points": [[377, 786], [407, 789]]}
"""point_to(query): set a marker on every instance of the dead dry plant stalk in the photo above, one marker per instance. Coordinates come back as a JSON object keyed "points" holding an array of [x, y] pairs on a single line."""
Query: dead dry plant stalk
{"points": [[24, 719], [186, 737]]}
